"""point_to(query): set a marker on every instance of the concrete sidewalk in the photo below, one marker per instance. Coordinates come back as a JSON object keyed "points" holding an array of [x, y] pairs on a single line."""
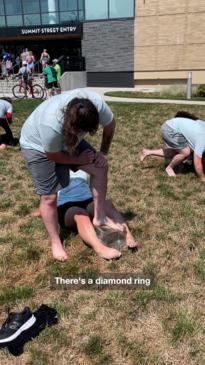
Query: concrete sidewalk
{"points": [[102, 91]]}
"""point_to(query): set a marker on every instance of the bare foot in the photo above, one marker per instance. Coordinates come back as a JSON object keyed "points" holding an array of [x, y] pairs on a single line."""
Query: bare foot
{"points": [[2, 147], [130, 242], [143, 154], [106, 221], [107, 253], [170, 171], [36, 213], [129, 239], [59, 252]]}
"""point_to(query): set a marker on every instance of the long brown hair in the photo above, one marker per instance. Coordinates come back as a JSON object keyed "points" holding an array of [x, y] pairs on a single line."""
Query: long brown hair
{"points": [[80, 115], [182, 114]]}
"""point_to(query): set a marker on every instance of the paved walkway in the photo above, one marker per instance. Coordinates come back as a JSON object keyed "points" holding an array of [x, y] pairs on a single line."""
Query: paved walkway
{"points": [[102, 91]]}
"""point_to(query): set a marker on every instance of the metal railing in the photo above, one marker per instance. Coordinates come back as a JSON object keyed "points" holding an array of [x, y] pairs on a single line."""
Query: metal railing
{"points": [[67, 63]]}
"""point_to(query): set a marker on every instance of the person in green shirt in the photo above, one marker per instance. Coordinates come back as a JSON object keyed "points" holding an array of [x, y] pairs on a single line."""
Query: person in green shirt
{"points": [[50, 78], [58, 70]]}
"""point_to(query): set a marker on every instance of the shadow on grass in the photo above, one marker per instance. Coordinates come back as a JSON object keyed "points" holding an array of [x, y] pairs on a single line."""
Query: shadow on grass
{"points": [[128, 215]]}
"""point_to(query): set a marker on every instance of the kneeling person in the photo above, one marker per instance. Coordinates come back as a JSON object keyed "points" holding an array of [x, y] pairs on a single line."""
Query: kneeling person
{"points": [[6, 139]]}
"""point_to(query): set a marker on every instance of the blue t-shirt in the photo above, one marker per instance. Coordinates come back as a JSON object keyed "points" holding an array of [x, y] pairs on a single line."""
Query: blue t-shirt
{"points": [[192, 130], [77, 190]]}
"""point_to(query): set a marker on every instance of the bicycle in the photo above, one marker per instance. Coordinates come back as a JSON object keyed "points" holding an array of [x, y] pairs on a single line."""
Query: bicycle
{"points": [[24, 89]]}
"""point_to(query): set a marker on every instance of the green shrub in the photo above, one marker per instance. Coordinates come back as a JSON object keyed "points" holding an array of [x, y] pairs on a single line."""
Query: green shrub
{"points": [[200, 90]]}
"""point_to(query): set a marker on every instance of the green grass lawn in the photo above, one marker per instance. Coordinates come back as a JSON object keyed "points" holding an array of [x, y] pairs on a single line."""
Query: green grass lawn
{"points": [[164, 94], [162, 326]]}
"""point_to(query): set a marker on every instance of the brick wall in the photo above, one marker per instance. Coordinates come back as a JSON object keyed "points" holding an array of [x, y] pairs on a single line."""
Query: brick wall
{"points": [[169, 36], [108, 46]]}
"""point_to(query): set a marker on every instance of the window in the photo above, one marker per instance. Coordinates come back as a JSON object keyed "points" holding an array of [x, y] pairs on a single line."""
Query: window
{"points": [[68, 16], [68, 5], [49, 5], [14, 20], [32, 19], [31, 6], [96, 9], [1, 7], [2, 21], [81, 16], [13, 7], [121, 8], [80, 4], [49, 18]]}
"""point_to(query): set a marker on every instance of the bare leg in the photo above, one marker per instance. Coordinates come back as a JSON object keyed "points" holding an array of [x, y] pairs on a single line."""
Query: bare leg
{"points": [[36, 212], [49, 215], [99, 189], [177, 159], [49, 93], [113, 213], [145, 153], [79, 217]]}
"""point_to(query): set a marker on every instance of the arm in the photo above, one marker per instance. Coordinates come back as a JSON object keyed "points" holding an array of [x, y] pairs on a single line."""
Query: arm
{"points": [[199, 167], [8, 113], [84, 158], [108, 133], [9, 117]]}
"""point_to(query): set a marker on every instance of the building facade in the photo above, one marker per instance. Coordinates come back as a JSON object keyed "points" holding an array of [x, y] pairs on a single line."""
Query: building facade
{"points": [[99, 32], [118, 42], [169, 41]]}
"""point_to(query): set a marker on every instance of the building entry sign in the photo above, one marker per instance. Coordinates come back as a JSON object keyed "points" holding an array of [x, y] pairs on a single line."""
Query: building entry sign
{"points": [[69, 29]]}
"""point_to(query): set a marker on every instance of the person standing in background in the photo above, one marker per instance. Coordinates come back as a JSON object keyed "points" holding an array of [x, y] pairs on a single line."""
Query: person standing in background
{"points": [[45, 58], [58, 71], [50, 79], [30, 61]]}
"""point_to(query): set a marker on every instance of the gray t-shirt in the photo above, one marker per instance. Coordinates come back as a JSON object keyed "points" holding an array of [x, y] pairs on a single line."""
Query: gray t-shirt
{"points": [[43, 130], [192, 130]]}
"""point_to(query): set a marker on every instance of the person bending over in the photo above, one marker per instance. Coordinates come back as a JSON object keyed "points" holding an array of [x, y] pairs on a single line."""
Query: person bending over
{"points": [[52, 139], [75, 209], [182, 135]]}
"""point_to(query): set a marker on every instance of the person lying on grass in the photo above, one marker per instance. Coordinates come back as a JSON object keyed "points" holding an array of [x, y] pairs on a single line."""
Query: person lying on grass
{"points": [[75, 210], [182, 135]]}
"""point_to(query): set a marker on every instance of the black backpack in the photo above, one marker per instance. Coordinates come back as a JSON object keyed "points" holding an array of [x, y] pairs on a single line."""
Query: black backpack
{"points": [[25, 75], [53, 71]]}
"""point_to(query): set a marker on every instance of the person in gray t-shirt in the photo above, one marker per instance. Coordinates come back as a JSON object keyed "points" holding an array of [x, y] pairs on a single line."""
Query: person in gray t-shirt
{"points": [[52, 142], [182, 135]]}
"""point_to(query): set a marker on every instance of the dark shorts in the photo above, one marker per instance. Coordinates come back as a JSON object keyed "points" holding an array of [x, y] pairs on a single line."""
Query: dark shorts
{"points": [[48, 176], [49, 85], [62, 209]]}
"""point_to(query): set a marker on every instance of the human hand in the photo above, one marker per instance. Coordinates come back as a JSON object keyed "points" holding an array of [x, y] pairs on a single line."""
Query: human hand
{"points": [[101, 159], [86, 157]]}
